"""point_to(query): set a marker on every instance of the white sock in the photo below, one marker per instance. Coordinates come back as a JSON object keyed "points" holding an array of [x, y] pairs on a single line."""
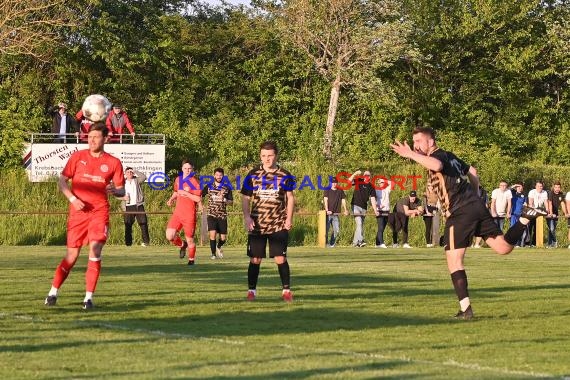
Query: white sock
{"points": [[253, 290], [53, 291], [88, 296], [464, 303], [286, 291]]}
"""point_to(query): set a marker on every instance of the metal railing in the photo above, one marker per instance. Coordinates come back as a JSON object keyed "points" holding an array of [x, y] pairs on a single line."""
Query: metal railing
{"points": [[81, 138]]}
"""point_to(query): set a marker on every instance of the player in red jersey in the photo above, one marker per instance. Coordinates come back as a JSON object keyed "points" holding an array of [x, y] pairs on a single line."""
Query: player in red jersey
{"points": [[94, 174], [186, 195]]}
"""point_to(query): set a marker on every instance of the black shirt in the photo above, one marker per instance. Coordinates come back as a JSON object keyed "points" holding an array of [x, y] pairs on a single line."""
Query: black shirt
{"points": [[362, 193], [451, 184], [334, 199]]}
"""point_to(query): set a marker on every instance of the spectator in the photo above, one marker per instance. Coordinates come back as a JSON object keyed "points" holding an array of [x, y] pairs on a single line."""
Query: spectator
{"points": [[555, 201], [84, 125], [117, 121], [431, 217], [501, 204], [518, 201], [537, 198], [363, 191], [409, 206], [133, 201], [484, 197], [383, 189], [567, 199], [333, 199], [62, 124]]}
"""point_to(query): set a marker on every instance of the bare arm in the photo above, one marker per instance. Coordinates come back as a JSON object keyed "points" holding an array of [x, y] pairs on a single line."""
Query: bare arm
{"points": [[290, 209], [404, 150], [63, 186], [245, 206]]}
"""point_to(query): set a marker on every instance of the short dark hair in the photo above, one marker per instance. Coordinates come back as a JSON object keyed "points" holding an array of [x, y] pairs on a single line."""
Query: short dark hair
{"points": [[128, 168], [187, 161], [557, 183], [218, 170], [99, 126], [269, 145], [425, 130]]}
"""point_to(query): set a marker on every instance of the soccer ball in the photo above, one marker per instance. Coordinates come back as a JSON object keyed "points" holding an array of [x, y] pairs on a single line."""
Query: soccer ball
{"points": [[96, 107]]}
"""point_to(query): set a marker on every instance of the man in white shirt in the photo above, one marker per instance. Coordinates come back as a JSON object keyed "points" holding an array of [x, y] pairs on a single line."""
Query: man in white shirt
{"points": [[537, 198], [133, 206], [501, 204], [382, 187]]}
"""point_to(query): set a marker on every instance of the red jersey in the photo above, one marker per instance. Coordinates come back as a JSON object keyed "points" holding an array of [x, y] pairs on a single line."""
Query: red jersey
{"points": [[186, 206], [90, 177]]}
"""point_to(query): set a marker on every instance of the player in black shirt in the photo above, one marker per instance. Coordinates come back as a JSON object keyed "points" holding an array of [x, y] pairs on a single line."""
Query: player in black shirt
{"points": [[456, 185], [268, 204], [219, 195]]}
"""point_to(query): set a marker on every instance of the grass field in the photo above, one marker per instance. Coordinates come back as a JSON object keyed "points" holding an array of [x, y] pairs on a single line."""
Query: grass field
{"points": [[357, 313]]}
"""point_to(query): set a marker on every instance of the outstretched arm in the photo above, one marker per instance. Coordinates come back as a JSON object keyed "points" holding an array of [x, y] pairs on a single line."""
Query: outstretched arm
{"points": [[404, 150]]}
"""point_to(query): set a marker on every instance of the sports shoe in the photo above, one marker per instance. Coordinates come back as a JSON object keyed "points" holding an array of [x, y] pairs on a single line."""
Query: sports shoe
{"points": [[52, 300], [395, 245], [144, 245], [219, 253], [287, 295], [88, 305], [532, 213], [381, 246], [406, 245], [476, 246], [429, 245], [183, 250], [251, 295], [190, 262], [213, 257], [362, 244], [465, 315]]}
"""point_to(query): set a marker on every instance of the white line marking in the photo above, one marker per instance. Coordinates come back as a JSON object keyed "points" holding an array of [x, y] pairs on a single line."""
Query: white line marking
{"points": [[448, 363]]}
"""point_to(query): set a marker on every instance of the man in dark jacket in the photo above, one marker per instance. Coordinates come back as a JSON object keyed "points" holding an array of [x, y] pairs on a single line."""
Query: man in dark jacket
{"points": [[63, 124]]}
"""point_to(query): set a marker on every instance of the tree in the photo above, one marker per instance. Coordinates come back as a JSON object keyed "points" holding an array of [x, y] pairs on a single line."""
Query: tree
{"points": [[31, 27], [346, 40]]}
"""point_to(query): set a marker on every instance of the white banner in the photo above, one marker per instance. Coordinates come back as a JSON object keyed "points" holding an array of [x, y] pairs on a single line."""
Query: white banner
{"points": [[48, 160]]}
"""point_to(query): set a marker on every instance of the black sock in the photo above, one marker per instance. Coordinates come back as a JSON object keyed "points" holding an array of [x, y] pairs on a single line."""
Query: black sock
{"points": [[252, 275], [213, 246], [285, 274], [515, 233], [459, 280], [221, 242]]}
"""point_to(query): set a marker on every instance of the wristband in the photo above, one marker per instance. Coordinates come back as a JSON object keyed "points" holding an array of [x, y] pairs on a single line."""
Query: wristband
{"points": [[72, 199]]}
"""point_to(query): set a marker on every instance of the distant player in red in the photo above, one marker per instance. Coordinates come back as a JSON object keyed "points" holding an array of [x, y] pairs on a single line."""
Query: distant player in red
{"points": [[186, 194], [94, 174]]}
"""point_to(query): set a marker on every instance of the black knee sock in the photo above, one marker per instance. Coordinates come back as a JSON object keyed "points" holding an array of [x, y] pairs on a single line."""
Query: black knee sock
{"points": [[285, 274], [459, 279], [221, 242], [515, 233], [252, 275], [213, 246]]}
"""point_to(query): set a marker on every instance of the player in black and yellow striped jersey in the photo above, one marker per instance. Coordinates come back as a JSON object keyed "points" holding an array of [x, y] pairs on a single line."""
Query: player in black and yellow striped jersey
{"points": [[456, 185], [268, 203]]}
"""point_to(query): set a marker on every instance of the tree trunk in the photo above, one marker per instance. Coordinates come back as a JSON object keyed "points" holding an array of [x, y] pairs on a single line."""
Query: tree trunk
{"points": [[333, 105]]}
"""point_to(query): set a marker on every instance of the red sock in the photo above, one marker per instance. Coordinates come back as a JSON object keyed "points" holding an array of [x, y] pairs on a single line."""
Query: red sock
{"points": [[61, 273], [177, 241], [92, 275], [192, 252]]}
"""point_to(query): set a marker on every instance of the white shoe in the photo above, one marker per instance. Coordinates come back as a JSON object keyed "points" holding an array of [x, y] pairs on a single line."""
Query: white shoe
{"points": [[213, 257], [219, 253], [476, 246], [381, 246], [143, 245], [429, 245], [406, 245], [396, 245]]}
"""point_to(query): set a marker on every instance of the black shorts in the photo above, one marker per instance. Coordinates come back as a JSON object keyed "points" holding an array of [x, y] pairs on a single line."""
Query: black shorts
{"points": [[220, 225], [277, 244], [568, 222], [471, 220]]}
